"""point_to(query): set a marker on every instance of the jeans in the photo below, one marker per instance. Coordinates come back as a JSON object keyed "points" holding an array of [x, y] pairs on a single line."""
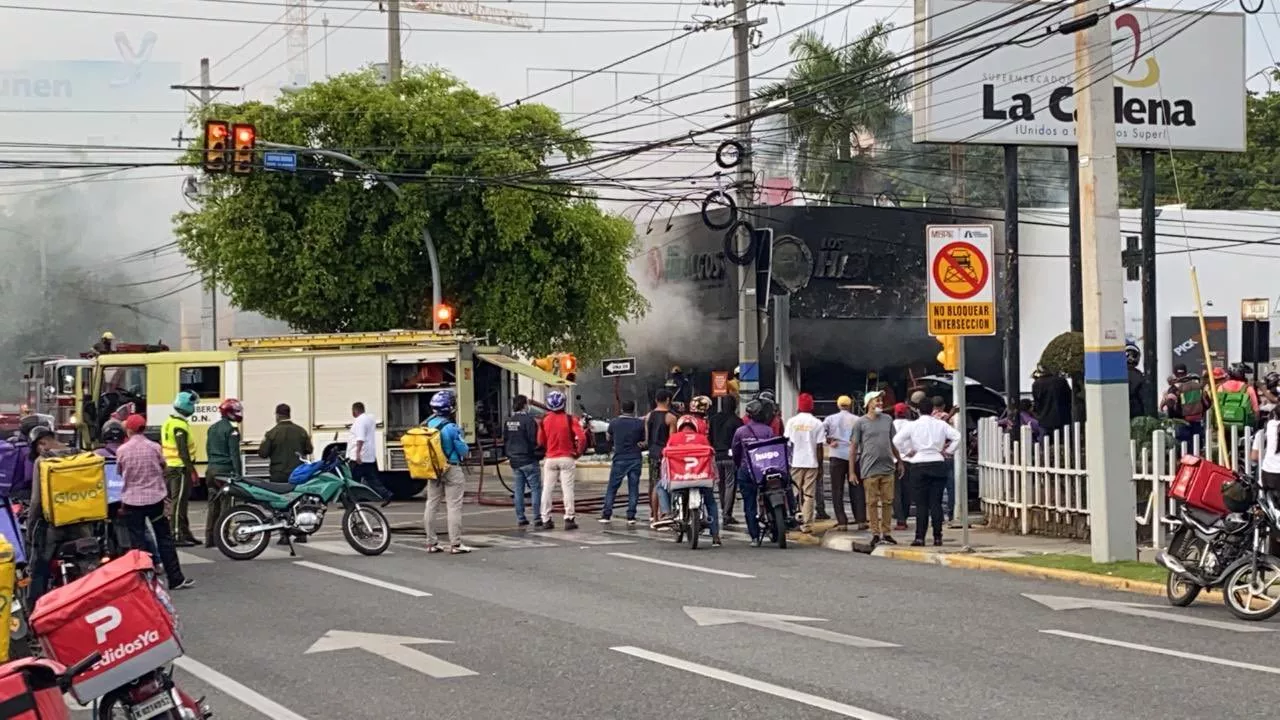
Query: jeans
{"points": [[628, 468], [563, 469], [530, 477], [135, 519], [928, 480], [728, 485], [450, 487], [367, 473]]}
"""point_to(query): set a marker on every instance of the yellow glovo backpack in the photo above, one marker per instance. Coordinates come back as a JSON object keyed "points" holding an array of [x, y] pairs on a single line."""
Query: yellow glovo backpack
{"points": [[73, 489], [424, 453]]}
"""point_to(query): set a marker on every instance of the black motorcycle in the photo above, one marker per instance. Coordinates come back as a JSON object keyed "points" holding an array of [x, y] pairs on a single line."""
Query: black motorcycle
{"points": [[774, 506], [1228, 553]]}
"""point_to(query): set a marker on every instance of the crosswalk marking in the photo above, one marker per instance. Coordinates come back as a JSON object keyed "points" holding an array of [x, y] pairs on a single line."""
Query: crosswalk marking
{"points": [[186, 558], [504, 541], [587, 539]]}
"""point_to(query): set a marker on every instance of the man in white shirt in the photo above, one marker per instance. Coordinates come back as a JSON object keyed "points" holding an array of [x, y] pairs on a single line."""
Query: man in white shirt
{"points": [[362, 451], [805, 433], [926, 444], [838, 429]]}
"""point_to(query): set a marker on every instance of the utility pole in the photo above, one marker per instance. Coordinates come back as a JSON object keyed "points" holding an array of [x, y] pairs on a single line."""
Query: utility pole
{"points": [[1111, 494], [748, 312], [393, 42], [203, 93]]}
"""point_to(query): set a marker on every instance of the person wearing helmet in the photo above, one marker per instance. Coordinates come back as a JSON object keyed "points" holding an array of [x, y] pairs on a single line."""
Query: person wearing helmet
{"points": [[1237, 399], [105, 344], [177, 444], [450, 484], [770, 402], [564, 439], [1137, 381], [699, 408], [755, 428], [43, 538], [225, 460], [688, 433], [20, 490]]}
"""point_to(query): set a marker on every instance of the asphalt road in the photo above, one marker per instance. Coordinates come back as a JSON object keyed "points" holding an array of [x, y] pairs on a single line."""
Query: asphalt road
{"points": [[606, 624]]}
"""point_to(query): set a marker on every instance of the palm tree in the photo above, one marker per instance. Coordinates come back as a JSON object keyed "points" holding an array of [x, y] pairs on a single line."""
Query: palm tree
{"points": [[841, 99]]}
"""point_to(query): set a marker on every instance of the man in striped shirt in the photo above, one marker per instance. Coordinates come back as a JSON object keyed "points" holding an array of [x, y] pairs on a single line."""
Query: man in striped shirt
{"points": [[142, 466]]}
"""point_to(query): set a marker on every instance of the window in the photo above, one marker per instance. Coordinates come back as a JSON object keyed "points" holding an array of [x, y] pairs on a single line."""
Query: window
{"points": [[204, 381], [66, 380], [126, 379]]}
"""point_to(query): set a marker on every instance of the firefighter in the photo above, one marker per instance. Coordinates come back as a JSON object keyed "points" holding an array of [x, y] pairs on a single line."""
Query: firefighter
{"points": [[105, 344], [223, 447], [180, 467]]}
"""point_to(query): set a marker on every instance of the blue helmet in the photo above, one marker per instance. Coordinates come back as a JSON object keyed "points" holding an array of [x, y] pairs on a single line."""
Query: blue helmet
{"points": [[185, 403], [443, 402], [555, 400]]}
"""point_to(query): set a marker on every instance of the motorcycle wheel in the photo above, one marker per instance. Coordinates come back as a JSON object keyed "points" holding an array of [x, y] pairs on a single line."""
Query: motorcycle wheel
{"points": [[226, 539], [1238, 590], [360, 538], [780, 526], [695, 529], [1187, 550]]}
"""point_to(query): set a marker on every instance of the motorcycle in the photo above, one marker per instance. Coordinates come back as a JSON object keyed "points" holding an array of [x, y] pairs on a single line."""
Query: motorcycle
{"points": [[264, 507], [774, 506], [153, 696], [690, 517]]}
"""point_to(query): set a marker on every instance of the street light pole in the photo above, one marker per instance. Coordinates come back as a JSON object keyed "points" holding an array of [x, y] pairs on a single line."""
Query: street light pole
{"points": [[427, 242]]}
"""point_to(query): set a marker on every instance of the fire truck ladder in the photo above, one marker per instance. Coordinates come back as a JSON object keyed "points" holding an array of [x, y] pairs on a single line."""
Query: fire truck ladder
{"points": [[346, 340]]}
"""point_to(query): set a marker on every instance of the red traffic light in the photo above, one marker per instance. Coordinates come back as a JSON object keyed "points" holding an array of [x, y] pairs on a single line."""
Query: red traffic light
{"points": [[215, 146], [244, 135], [242, 157], [443, 317], [570, 363]]}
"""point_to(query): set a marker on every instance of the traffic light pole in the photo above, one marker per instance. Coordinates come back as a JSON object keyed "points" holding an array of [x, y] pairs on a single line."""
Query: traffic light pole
{"points": [[203, 93], [427, 242]]}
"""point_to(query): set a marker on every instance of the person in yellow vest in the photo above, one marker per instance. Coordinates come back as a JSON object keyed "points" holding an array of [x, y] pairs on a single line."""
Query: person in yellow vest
{"points": [[180, 466]]}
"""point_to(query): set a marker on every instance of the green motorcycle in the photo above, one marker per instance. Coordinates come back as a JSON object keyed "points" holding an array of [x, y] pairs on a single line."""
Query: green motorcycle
{"points": [[264, 507]]}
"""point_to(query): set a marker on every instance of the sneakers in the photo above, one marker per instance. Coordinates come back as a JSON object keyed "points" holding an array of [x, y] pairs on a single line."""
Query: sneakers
{"points": [[605, 520], [715, 541], [937, 542], [888, 539], [537, 525], [570, 524], [459, 549], [917, 543], [522, 523], [549, 525], [631, 522], [186, 584], [756, 542], [434, 549], [875, 540]]}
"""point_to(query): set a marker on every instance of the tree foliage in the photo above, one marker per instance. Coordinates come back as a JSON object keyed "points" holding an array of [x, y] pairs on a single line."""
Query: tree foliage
{"points": [[526, 259], [1064, 354], [1217, 180]]}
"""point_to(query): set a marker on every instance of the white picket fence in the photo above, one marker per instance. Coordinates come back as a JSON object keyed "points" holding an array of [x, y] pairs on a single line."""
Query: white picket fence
{"points": [[1021, 482]]}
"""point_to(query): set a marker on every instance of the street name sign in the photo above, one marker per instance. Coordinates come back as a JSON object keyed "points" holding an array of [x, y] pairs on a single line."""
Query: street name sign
{"points": [[280, 160], [961, 299], [618, 367]]}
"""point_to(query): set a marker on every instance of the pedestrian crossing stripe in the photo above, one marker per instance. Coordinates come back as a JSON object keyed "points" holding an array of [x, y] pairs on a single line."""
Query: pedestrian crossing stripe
{"points": [[588, 539]]}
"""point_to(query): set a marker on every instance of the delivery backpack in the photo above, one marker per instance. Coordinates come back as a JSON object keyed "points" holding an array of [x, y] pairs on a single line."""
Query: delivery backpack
{"points": [[1191, 399], [424, 452], [1235, 407], [73, 489], [10, 465]]}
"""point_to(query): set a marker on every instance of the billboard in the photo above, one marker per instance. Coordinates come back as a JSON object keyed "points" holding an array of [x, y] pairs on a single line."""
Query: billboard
{"points": [[1184, 339], [1178, 76]]}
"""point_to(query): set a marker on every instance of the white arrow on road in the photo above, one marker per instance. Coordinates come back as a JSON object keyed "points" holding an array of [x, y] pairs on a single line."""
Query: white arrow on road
{"points": [[394, 648], [1055, 602], [705, 616]]}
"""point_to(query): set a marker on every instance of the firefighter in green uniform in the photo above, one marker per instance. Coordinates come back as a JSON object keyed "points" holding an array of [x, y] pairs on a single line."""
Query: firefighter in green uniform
{"points": [[223, 448], [180, 466]]}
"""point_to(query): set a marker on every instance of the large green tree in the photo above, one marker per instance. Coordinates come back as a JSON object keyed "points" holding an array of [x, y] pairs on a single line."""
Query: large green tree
{"points": [[526, 259], [1217, 180]]}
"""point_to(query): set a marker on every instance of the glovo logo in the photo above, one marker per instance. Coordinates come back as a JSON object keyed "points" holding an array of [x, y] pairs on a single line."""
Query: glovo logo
{"points": [[1151, 71]]}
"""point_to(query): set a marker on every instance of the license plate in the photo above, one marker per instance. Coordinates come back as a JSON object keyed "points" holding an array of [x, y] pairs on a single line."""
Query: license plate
{"points": [[153, 707]]}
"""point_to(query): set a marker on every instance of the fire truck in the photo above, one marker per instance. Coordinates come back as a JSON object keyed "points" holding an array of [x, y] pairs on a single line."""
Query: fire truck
{"points": [[56, 386], [319, 377]]}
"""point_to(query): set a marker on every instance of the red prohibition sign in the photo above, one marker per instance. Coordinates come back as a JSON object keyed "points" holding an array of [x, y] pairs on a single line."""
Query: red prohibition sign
{"points": [[960, 270]]}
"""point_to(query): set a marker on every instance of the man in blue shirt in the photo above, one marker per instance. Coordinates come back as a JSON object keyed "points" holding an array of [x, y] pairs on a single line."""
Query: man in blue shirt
{"points": [[839, 430], [451, 484], [627, 434]]}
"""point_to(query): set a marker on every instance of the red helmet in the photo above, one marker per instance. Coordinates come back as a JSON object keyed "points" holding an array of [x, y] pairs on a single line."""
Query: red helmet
{"points": [[688, 420], [232, 410]]}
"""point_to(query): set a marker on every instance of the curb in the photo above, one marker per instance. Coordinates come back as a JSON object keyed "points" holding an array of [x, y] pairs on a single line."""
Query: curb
{"points": [[974, 562]]}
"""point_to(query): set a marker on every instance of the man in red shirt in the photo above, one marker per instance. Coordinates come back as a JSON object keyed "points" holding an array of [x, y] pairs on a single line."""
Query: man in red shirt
{"points": [[563, 437]]}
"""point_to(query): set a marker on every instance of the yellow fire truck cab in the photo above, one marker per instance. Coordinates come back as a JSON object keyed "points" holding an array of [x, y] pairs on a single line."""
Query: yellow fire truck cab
{"points": [[393, 373]]}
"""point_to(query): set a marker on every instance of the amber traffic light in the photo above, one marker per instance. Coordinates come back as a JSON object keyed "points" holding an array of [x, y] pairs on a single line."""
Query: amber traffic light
{"points": [[245, 138], [443, 318], [216, 134], [569, 368], [949, 357]]}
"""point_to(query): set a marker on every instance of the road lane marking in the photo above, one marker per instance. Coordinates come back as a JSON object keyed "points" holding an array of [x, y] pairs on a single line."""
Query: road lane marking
{"points": [[1165, 651], [683, 566], [705, 616], [587, 539], [394, 648], [510, 543], [1056, 602], [335, 547], [411, 592], [742, 681], [246, 695]]}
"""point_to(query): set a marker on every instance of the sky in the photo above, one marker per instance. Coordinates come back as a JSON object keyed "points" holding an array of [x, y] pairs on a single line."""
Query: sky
{"points": [[106, 66]]}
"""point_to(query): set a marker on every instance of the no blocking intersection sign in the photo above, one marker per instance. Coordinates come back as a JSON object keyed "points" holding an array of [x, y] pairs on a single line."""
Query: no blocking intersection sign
{"points": [[961, 299]]}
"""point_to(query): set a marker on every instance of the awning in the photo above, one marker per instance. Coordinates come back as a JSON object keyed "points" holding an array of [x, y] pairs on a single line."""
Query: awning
{"points": [[510, 364]]}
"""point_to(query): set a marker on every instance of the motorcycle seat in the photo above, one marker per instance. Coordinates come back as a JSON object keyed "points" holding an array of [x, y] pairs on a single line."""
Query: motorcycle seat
{"points": [[275, 487], [81, 548], [1204, 517]]}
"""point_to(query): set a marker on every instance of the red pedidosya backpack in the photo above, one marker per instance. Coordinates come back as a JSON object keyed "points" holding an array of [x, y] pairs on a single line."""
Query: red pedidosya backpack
{"points": [[29, 691]]}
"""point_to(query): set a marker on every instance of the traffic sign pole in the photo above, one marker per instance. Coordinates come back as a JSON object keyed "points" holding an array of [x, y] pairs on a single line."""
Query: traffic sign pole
{"points": [[958, 393]]}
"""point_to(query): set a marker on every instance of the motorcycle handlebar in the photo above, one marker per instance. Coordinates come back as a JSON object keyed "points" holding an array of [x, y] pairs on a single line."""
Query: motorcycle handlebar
{"points": [[64, 680]]}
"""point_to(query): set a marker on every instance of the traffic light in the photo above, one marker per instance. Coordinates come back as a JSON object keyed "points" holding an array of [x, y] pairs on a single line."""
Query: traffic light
{"points": [[545, 364], [443, 318], [569, 368], [215, 146], [949, 357], [245, 137]]}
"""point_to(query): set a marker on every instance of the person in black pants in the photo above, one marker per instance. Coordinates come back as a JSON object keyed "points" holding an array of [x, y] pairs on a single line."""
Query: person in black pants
{"points": [[927, 445], [723, 425], [928, 479]]}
